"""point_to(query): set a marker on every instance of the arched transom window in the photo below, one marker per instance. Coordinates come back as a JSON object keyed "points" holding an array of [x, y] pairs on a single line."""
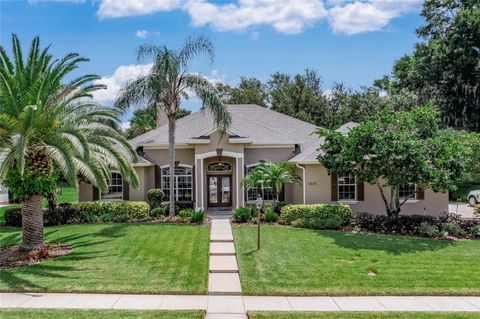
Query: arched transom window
{"points": [[183, 183], [219, 167]]}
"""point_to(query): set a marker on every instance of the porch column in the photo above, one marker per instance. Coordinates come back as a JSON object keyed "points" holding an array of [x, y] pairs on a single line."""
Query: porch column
{"points": [[239, 176], [199, 183]]}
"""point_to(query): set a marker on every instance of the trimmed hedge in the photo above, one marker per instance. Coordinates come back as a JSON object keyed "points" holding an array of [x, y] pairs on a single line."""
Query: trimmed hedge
{"points": [[86, 212], [321, 216], [117, 212], [155, 197]]}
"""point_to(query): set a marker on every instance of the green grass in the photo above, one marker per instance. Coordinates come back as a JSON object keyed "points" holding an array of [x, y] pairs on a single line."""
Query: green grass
{"points": [[296, 261], [363, 315], [94, 314], [116, 258], [68, 195]]}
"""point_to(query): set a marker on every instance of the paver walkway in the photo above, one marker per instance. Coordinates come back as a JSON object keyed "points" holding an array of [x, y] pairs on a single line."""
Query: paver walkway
{"points": [[223, 278]]}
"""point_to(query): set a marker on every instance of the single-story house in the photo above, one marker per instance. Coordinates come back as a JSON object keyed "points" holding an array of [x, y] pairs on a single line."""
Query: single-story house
{"points": [[210, 167], [3, 195]]}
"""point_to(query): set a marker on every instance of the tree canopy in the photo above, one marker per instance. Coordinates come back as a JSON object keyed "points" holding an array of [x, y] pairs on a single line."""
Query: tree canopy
{"points": [[393, 149]]}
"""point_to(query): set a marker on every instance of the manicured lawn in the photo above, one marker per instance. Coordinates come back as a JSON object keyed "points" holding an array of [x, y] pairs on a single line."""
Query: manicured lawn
{"points": [[129, 258], [68, 195], [306, 262], [362, 315], [94, 314]]}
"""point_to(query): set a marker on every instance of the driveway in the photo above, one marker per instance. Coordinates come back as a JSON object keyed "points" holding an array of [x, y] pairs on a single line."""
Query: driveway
{"points": [[463, 209]]}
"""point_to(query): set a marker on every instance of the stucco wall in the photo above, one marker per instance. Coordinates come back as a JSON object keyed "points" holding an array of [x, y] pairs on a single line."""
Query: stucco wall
{"points": [[160, 156], [85, 192], [146, 176], [318, 190], [275, 155]]}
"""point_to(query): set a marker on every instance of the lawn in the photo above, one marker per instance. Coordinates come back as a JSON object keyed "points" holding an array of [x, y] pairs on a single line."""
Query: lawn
{"points": [[94, 314], [296, 261], [68, 195], [362, 315], [116, 258]]}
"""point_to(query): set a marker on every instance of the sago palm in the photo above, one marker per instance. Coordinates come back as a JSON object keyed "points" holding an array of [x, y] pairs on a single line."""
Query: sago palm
{"points": [[168, 82], [50, 128]]}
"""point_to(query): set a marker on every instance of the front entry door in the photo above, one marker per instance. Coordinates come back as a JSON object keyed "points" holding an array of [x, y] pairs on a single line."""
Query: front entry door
{"points": [[219, 190]]}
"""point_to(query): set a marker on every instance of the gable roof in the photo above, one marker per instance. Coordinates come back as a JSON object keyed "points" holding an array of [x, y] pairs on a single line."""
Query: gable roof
{"points": [[251, 124]]}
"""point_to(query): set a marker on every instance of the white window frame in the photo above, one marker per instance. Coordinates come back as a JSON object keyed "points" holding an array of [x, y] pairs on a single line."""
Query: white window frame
{"points": [[219, 172], [354, 184], [410, 199], [163, 176], [248, 189], [112, 185]]}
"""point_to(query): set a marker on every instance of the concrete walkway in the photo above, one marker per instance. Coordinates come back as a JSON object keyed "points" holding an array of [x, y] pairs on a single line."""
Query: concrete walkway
{"points": [[236, 306]]}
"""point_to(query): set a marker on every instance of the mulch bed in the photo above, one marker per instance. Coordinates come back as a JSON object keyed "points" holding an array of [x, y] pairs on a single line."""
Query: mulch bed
{"points": [[12, 256]]}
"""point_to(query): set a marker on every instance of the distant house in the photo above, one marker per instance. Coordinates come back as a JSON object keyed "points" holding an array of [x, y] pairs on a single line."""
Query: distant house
{"points": [[3, 195], [209, 168]]}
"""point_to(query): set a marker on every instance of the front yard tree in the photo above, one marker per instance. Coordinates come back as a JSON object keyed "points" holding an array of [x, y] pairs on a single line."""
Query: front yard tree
{"points": [[51, 128], [393, 149], [168, 82]]}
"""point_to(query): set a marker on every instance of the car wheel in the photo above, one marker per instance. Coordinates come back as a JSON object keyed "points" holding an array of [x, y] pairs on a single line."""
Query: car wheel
{"points": [[472, 201]]}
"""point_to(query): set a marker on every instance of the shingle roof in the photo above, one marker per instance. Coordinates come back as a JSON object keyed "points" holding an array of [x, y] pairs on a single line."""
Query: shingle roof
{"points": [[254, 123]]}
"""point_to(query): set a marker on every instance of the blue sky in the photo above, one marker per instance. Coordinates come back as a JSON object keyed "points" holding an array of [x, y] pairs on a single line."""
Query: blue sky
{"points": [[353, 42]]}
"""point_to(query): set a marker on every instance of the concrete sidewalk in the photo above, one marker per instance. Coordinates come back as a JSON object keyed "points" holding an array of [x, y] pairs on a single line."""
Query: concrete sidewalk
{"points": [[237, 304]]}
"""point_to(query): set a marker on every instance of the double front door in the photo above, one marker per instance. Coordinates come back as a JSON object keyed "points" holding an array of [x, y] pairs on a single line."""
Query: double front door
{"points": [[219, 190]]}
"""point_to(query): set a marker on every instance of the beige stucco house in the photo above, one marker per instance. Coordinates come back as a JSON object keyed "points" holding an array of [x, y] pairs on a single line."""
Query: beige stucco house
{"points": [[210, 167]]}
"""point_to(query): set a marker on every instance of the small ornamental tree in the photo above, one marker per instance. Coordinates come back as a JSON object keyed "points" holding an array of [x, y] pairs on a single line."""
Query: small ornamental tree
{"points": [[393, 149]]}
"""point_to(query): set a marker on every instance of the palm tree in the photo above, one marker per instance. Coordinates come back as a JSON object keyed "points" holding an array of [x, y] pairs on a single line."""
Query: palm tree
{"points": [[274, 176], [52, 129], [167, 83]]}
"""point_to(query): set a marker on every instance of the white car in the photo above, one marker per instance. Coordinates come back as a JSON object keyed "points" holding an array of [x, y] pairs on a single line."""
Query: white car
{"points": [[474, 197]]}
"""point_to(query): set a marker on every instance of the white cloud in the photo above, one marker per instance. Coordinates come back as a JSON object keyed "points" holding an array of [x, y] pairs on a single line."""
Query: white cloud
{"points": [[141, 34], [124, 8], [115, 82], [357, 17], [285, 16]]}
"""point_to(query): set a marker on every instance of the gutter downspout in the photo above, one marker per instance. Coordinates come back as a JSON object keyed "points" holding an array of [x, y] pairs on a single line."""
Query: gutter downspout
{"points": [[303, 180]]}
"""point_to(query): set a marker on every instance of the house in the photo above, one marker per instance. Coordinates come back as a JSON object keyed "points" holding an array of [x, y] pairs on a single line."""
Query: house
{"points": [[210, 167], [3, 195]]}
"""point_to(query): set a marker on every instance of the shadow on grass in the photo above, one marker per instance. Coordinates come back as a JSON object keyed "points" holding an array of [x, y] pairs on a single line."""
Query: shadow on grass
{"points": [[391, 244], [15, 278]]}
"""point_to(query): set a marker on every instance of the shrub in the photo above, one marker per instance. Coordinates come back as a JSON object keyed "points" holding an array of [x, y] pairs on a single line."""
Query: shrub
{"points": [[198, 216], [13, 217], [298, 223], [166, 206], [476, 210], [427, 230], [64, 213], [322, 216], [186, 213], [270, 216], [242, 214], [119, 212], [476, 231], [452, 229], [157, 212], [155, 197]]}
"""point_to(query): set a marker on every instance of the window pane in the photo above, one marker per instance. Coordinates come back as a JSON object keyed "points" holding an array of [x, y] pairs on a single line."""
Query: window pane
{"points": [[347, 187], [407, 191]]}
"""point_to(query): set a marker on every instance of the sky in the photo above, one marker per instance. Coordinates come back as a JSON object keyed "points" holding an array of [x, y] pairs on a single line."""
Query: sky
{"points": [[353, 42]]}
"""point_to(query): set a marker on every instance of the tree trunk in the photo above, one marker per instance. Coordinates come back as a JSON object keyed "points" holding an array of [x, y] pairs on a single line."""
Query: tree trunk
{"points": [[171, 163], [32, 223]]}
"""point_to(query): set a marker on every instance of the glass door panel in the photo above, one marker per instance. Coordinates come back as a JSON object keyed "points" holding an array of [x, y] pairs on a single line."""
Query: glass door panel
{"points": [[212, 190], [226, 193]]}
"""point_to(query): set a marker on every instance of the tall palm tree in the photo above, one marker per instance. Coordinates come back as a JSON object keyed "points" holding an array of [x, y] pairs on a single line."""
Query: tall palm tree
{"points": [[274, 176], [167, 83], [52, 128]]}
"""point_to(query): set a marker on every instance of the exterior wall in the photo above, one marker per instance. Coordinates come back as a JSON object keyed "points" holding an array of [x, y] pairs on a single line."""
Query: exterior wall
{"points": [[318, 190], [146, 176], [85, 192], [160, 156]]}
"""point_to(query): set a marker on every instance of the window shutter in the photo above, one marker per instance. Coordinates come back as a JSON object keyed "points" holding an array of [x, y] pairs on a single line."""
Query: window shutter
{"points": [[158, 172], [420, 193], [360, 191], [334, 187], [95, 193], [126, 190]]}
